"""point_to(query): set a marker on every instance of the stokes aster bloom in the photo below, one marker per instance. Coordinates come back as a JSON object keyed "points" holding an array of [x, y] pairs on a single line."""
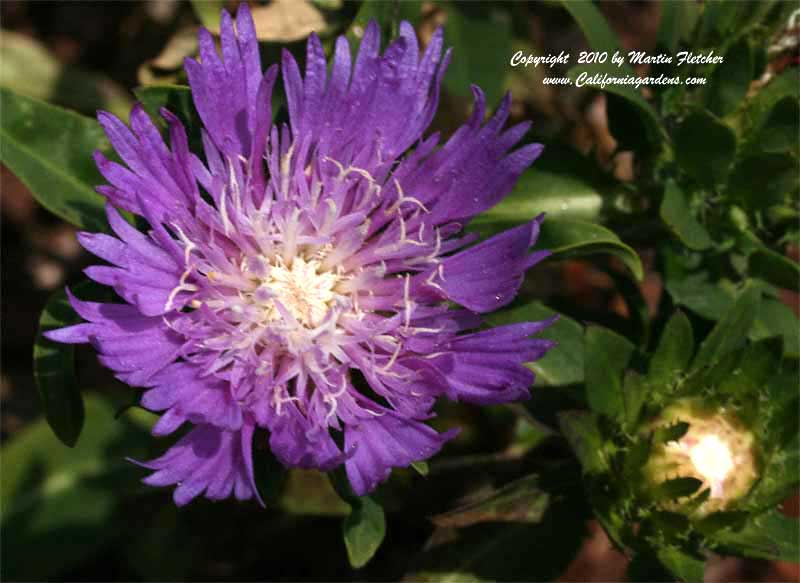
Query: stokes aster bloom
{"points": [[312, 280]]}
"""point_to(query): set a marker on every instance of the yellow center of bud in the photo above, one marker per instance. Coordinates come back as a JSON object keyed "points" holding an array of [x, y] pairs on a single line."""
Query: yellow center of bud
{"points": [[716, 449]]}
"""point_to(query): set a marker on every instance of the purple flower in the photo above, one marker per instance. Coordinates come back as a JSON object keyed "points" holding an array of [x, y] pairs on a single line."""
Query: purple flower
{"points": [[311, 280]]}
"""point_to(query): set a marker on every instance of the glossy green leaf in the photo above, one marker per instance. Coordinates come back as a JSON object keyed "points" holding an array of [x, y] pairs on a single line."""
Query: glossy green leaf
{"points": [[778, 132], [568, 238], [54, 370], [681, 564], [520, 501], [732, 330], [540, 191], [768, 536], [583, 434], [775, 268], [705, 147], [730, 79], [606, 357], [563, 365], [364, 530], [677, 215], [50, 150], [676, 488], [674, 352], [477, 62]]}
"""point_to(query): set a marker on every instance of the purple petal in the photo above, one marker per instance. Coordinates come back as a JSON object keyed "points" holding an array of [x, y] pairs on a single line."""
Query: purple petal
{"points": [[379, 444]]}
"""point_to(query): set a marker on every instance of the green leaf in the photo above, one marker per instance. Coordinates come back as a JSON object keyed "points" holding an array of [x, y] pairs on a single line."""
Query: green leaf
{"points": [[583, 434], [519, 501], [208, 12], [705, 147], [681, 564], [309, 493], [778, 132], [568, 238], [593, 24], [677, 215], [50, 150], [719, 19], [768, 536], [701, 296], [715, 521], [607, 355], [676, 488], [634, 392], [476, 62], [777, 319], [677, 22], [422, 468], [364, 529], [754, 369], [54, 370], [731, 331], [714, 301], [540, 191], [674, 352], [60, 501], [775, 268], [747, 181], [730, 79], [780, 441], [30, 69], [563, 365]]}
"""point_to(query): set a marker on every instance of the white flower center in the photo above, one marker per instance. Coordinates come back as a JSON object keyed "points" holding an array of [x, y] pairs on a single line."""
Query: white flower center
{"points": [[712, 458], [302, 289]]}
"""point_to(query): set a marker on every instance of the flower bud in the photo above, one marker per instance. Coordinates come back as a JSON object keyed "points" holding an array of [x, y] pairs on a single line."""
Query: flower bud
{"points": [[717, 449]]}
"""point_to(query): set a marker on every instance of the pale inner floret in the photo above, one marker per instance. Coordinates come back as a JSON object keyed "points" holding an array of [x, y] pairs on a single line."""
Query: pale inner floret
{"points": [[302, 288], [712, 458]]}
